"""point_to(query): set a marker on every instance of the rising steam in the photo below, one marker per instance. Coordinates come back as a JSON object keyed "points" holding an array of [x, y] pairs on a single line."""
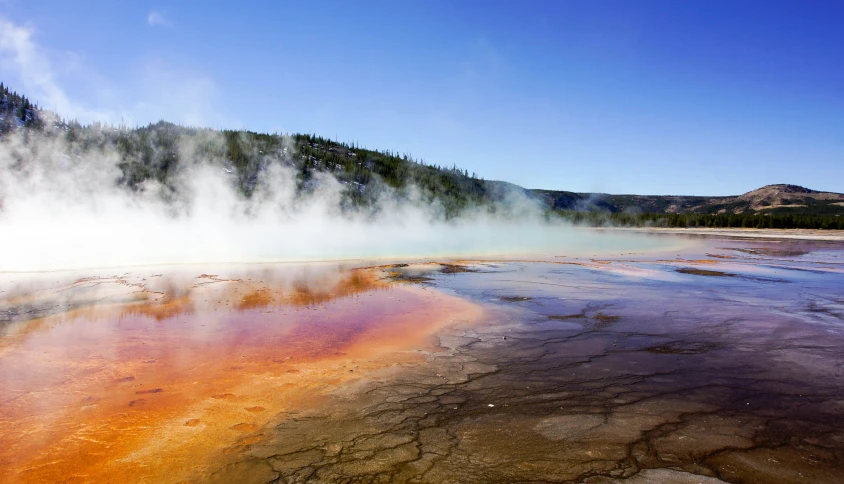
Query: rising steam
{"points": [[61, 208]]}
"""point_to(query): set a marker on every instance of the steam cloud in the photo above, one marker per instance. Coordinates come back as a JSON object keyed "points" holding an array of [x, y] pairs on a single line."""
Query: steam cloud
{"points": [[62, 209]]}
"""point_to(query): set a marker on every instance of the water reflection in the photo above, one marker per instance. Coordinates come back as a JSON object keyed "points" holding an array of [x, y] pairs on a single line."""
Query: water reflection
{"points": [[156, 380]]}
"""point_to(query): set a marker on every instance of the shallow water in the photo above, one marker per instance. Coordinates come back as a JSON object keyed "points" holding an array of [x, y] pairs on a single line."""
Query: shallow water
{"points": [[723, 362]]}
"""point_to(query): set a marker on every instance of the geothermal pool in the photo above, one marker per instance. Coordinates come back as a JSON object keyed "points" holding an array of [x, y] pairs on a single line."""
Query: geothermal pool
{"points": [[716, 361]]}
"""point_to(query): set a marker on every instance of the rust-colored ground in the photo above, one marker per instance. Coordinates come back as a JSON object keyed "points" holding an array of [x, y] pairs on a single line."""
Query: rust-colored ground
{"points": [[168, 381]]}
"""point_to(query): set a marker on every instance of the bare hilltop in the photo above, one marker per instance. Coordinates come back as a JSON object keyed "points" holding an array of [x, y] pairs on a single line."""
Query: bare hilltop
{"points": [[779, 199]]}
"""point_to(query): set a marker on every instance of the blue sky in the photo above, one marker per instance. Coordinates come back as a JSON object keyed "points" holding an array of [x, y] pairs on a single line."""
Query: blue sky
{"points": [[652, 97]]}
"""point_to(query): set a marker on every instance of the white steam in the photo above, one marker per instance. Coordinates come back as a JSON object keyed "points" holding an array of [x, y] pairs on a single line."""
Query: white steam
{"points": [[60, 210]]}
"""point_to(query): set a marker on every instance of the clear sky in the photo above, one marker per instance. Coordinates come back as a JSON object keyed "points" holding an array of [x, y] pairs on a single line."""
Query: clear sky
{"points": [[655, 97]]}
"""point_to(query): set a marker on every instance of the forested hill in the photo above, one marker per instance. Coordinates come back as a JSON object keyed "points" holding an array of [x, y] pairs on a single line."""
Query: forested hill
{"points": [[153, 152], [160, 150]]}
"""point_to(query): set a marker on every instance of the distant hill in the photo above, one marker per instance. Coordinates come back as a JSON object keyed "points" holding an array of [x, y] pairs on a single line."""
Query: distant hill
{"points": [[771, 199], [784, 199]]}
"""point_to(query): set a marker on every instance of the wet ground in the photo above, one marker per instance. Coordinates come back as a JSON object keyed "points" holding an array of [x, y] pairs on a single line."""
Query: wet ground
{"points": [[723, 362]]}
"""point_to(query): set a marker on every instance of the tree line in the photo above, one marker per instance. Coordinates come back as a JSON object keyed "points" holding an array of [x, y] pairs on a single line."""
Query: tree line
{"points": [[692, 220]]}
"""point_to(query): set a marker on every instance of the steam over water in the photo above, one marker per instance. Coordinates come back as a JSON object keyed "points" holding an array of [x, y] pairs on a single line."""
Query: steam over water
{"points": [[61, 208]]}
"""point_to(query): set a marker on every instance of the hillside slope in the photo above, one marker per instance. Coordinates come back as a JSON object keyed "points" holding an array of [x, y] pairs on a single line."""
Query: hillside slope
{"points": [[16, 111]]}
